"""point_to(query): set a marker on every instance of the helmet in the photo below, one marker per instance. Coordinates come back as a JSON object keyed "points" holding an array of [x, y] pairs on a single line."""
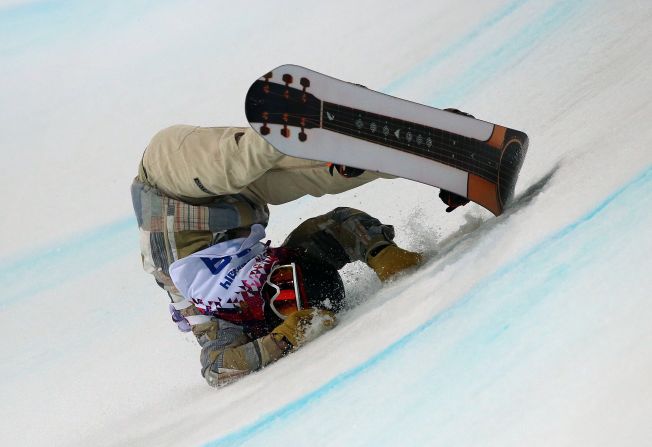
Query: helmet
{"points": [[323, 285]]}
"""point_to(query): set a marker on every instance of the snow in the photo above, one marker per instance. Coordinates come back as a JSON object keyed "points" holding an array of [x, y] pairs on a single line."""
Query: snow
{"points": [[531, 328]]}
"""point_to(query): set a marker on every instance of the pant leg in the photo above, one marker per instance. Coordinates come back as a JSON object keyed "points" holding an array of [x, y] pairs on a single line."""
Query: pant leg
{"points": [[191, 162], [341, 236], [292, 178], [196, 162]]}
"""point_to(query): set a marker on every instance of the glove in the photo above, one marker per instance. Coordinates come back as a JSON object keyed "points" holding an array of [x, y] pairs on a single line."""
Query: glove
{"points": [[392, 260], [459, 112], [305, 325], [452, 200], [345, 171]]}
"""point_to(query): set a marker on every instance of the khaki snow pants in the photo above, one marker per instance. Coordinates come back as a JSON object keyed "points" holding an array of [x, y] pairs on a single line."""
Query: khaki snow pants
{"points": [[194, 163]]}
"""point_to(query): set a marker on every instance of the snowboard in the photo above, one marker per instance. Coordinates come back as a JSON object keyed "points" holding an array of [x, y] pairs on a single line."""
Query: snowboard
{"points": [[306, 114]]}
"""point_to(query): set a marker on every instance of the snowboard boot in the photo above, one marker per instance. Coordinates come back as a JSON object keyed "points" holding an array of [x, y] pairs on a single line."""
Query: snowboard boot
{"points": [[392, 260]]}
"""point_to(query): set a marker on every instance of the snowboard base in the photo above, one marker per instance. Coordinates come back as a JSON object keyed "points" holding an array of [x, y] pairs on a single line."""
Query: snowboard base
{"points": [[309, 115]]}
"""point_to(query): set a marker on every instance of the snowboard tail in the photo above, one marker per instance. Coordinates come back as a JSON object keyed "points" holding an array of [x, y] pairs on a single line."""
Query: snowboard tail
{"points": [[309, 115]]}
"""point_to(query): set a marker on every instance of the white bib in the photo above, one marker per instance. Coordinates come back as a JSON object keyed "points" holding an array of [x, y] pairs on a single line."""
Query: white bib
{"points": [[224, 274]]}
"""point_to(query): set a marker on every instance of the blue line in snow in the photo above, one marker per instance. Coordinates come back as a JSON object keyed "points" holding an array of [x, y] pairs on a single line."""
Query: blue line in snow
{"points": [[27, 10], [47, 268], [514, 48], [439, 57], [242, 435], [37, 25]]}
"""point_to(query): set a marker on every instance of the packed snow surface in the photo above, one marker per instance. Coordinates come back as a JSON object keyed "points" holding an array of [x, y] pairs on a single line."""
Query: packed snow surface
{"points": [[532, 328]]}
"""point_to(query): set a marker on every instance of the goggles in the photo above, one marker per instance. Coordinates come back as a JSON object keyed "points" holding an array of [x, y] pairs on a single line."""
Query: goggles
{"points": [[285, 299]]}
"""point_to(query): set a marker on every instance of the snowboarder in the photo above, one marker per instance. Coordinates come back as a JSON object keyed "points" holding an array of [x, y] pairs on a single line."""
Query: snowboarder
{"points": [[201, 199]]}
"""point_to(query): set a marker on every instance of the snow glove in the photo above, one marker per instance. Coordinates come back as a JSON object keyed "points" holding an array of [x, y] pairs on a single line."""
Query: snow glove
{"points": [[304, 326], [392, 260], [452, 200], [345, 171]]}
